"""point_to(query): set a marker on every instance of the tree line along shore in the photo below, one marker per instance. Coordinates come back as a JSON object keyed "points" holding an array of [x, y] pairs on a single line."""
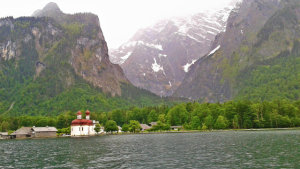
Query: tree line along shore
{"points": [[191, 116]]}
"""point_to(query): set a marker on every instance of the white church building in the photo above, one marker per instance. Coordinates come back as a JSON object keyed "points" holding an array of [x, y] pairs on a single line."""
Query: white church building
{"points": [[83, 127]]}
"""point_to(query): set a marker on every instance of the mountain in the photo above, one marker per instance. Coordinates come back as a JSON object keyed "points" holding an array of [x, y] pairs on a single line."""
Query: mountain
{"points": [[256, 57], [158, 57], [55, 62], [89, 57]]}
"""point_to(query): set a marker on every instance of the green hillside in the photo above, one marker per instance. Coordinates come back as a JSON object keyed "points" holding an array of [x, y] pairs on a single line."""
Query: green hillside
{"points": [[273, 79]]}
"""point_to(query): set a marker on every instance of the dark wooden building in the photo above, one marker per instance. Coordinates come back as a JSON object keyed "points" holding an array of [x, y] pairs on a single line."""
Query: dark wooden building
{"points": [[23, 132]]}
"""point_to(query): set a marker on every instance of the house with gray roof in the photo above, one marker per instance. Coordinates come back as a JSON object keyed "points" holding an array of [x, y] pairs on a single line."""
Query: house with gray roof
{"points": [[44, 131], [144, 127], [27, 132], [153, 124], [23, 132]]}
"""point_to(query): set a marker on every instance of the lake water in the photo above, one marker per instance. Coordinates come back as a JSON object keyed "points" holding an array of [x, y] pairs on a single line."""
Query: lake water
{"points": [[226, 149]]}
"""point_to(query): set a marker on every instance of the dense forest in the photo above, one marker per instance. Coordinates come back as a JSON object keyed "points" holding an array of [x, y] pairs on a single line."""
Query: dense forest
{"points": [[272, 79], [192, 116]]}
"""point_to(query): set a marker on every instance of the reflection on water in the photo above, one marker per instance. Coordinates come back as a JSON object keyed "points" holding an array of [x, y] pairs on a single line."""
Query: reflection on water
{"points": [[231, 149]]}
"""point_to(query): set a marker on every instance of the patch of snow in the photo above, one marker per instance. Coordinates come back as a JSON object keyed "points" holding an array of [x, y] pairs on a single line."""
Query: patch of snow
{"points": [[242, 32], [156, 67], [156, 46], [194, 39], [183, 29], [162, 55], [170, 84], [128, 44], [209, 27], [144, 74], [214, 50], [202, 36], [125, 57], [213, 33], [188, 65], [134, 43]]}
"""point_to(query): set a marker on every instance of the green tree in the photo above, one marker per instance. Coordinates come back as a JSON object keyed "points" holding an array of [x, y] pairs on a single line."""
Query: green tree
{"points": [[209, 121], [204, 127], [195, 123], [235, 122], [152, 117], [221, 123], [117, 116], [5, 126], [64, 131], [61, 122], [97, 128], [134, 126], [178, 115], [160, 127], [125, 127], [42, 122], [162, 118], [110, 126]]}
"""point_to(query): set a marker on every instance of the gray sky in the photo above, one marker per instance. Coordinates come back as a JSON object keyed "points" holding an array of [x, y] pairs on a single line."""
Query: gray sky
{"points": [[119, 19]]}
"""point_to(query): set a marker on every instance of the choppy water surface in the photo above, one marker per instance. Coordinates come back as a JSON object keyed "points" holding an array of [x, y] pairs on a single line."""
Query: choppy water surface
{"points": [[231, 149]]}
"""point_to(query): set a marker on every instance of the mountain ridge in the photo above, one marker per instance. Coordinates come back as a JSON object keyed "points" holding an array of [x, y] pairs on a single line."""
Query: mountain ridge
{"points": [[244, 44], [157, 58]]}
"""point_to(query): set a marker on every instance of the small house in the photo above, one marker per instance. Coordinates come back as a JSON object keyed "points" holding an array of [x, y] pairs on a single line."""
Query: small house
{"points": [[4, 135], [44, 131], [153, 124], [144, 127], [176, 127], [23, 132]]}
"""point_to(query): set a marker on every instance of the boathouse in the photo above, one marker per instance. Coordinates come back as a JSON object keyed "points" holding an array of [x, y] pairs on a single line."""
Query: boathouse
{"points": [[4, 135], [23, 132]]}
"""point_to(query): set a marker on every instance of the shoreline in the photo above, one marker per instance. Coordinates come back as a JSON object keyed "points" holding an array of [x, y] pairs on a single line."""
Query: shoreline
{"points": [[163, 132]]}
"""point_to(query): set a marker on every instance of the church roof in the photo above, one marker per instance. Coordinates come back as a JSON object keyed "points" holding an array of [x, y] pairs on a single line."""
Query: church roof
{"points": [[82, 122]]}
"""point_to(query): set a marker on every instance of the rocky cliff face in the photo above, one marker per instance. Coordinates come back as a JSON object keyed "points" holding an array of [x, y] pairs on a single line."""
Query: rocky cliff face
{"points": [[89, 53], [158, 57], [215, 76]]}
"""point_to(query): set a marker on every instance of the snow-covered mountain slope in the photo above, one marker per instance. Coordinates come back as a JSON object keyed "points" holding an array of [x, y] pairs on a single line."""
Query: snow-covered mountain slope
{"points": [[158, 57]]}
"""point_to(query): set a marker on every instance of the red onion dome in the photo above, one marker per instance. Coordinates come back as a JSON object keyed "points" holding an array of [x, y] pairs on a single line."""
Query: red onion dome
{"points": [[87, 112], [79, 113], [82, 122]]}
